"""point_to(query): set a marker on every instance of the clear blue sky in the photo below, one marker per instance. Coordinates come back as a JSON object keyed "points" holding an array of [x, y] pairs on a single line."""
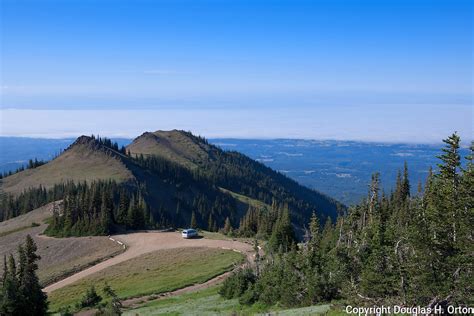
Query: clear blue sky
{"points": [[394, 70]]}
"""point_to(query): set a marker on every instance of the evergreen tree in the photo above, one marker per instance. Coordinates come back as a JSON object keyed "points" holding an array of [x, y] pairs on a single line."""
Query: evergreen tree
{"points": [[283, 236], [193, 222], [210, 223], [449, 176], [405, 183], [34, 301], [406, 250], [122, 208], [21, 292], [227, 226], [314, 243], [11, 299], [106, 213]]}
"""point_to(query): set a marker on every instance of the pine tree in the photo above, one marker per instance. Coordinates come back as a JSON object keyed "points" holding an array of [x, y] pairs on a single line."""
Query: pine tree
{"points": [[283, 236], [449, 168], [113, 307], [398, 194], [373, 200], [34, 300], [314, 242], [405, 183], [10, 304], [464, 270], [106, 213], [314, 257], [21, 291], [227, 226], [193, 222], [122, 208], [210, 223]]}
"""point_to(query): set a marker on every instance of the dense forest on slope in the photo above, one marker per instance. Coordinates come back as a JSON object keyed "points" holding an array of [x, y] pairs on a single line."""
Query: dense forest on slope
{"points": [[390, 249], [236, 172], [172, 191]]}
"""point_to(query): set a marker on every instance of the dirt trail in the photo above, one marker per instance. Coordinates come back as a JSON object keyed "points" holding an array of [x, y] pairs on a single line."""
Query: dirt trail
{"points": [[144, 242]]}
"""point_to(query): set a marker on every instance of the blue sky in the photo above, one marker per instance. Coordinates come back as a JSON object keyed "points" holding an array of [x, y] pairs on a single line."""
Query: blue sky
{"points": [[355, 69]]}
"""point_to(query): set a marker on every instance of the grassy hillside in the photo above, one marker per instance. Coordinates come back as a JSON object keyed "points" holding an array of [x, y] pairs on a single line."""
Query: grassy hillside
{"points": [[59, 257], [84, 160], [246, 200], [28, 220], [177, 146], [209, 302], [152, 273]]}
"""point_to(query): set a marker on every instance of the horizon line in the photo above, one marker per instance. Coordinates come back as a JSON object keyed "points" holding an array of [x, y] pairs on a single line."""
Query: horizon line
{"points": [[464, 143]]}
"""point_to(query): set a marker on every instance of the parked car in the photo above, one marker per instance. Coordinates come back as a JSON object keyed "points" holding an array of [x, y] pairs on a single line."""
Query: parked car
{"points": [[189, 233]]}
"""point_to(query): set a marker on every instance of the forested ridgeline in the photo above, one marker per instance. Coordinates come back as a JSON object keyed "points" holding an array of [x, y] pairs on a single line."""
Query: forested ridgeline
{"points": [[173, 192], [390, 249], [238, 173], [99, 143]]}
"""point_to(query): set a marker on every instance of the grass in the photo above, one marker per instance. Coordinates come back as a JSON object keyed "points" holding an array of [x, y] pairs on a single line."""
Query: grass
{"points": [[78, 164], [309, 310], [64, 268], [213, 235], [219, 236], [25, 221], [209, 302], [246, 200], [152, 273], [60, 257], [204, 302], [18, 229], [172, 145]]}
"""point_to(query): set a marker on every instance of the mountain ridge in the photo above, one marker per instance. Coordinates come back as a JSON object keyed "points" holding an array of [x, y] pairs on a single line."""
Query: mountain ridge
{"points": [[229, 164], [179, 146], [178, 173], [84, 160]]}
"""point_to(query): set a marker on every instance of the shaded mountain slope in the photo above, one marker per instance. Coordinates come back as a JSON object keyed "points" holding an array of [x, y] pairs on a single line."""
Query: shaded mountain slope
{"points": [[236, 172]]}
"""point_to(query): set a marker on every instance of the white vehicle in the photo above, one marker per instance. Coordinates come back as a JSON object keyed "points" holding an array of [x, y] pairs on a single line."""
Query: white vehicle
{"points": [[189, 233]]}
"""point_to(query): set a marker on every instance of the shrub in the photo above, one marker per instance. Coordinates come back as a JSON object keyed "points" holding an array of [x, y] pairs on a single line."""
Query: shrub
{"points": [[91, 298], [236, 285]]}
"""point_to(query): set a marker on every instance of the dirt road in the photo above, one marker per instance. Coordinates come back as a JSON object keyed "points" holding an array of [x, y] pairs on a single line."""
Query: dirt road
{"points": [[144, 242]]}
